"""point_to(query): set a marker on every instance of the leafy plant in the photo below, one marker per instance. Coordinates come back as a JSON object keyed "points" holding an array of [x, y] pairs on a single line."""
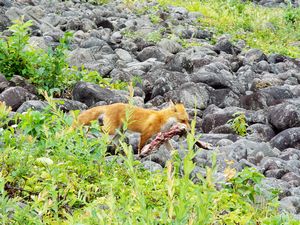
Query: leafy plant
{"points": [[273, 30], [239, 124], [13, 58], [154, 36], [43, 181]]}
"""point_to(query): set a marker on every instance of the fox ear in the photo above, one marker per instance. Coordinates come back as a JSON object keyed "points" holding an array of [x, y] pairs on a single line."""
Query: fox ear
{"points": [[172, 105]]}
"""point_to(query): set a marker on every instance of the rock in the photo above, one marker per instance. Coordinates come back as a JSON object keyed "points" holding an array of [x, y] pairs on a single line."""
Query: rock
{"points": [[191, 95], [290, 154], [218, 76], [152, 166], [92, 42], [260, 132], [80, 56], [16, 96], [67, 105], [170, 45], [38, 43], [261, 99], [161, 156], [276, 58], [4, 20], [242, 149], [79, 24], [223, 44], [103, 22], [116, 37], [4, 85], [36, 105], [17, 80], [224, 142], [289, 138], [224, 97], [290, 204], [292, 179], [215, 138], [276, 173], [179, 62], [254, 56], [90, 94], [124, 55], [269, 184], [2, 78], [153, 52], [284, 116], [159, 81]]}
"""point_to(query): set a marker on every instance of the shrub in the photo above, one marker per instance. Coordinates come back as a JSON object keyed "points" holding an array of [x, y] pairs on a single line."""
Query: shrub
{"points": [[51, 174], [48, 70], [239, 124]]}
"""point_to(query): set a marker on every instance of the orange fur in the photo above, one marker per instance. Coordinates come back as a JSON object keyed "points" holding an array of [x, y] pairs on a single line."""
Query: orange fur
{"points": [[147, 122]]}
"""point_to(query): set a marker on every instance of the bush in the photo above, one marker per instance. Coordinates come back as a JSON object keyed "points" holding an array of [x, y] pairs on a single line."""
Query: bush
{"points": [[51, 174], [48, 70]]}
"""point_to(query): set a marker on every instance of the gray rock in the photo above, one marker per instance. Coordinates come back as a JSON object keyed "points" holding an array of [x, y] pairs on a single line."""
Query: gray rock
{"points": [[92, 42], [290, 204], [158, 78], [290, 154], [224, 97], [253, 56], [124, 55], [223, 44], [284, 116], [191, 95], [179, 62], [224, 142], [289, 138], [80, 56], [2, 78], [35, 11], [67, 105], [4, 85], [276, 58], [16, 96], [153, 52], [152, 166], [215, 138], [4, 20], [243, 148], [260, 132], [161, 156], [17, 80], [116, 38], [170, 46], [89, 94], [32, 104], [38, 43], [292, 179], [276, 173]]}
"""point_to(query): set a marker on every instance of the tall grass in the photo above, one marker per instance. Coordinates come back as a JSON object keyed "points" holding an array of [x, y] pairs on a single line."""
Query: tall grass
{"points": [[273, 30]]}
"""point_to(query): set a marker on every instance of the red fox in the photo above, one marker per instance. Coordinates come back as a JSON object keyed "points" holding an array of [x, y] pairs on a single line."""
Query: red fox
{"points": [[147, 122]]}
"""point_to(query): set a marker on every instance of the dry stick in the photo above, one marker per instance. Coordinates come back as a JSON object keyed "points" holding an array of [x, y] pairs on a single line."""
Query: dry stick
{"points": [[162, 137]]}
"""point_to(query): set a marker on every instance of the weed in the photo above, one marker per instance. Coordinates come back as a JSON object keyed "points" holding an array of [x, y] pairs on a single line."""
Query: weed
{"points": [[249, 22], [42, 169], [239, 124]]}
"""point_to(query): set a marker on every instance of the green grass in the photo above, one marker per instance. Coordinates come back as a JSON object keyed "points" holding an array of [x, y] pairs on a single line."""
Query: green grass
{"points": [[51, 174], [273, 30]]}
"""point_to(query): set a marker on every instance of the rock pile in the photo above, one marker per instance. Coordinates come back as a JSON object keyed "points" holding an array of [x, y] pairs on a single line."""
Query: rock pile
{"points": [[215, 80]]}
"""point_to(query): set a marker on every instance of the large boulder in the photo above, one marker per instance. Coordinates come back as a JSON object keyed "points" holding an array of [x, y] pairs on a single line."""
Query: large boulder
{"points": [[289, 138], [16, 96], [284, 116], [90, 94]]}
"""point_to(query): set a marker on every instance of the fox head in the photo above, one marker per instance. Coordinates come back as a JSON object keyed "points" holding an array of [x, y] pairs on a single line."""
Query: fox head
{"points": [[176, 114]]}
